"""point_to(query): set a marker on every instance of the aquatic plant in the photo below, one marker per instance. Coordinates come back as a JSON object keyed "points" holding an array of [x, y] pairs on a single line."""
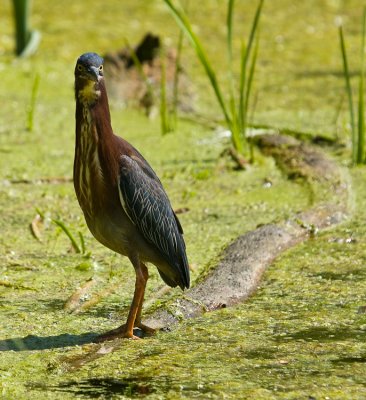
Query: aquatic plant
{"points": [[234, 109], [169, 110], [78, 249], [32, 104], [165, 121], [357, 131], [176, 77]]}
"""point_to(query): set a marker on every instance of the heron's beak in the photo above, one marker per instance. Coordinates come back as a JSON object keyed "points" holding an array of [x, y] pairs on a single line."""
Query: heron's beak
{"points": [[93, 72]]}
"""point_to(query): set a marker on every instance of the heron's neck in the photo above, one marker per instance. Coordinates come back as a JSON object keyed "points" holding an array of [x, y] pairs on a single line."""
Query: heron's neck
{"points": [[92, 115], [95, 141]]}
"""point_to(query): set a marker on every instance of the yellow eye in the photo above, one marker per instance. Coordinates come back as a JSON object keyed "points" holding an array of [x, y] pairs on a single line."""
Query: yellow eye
{"points": [[80, 68], [101, 68]]}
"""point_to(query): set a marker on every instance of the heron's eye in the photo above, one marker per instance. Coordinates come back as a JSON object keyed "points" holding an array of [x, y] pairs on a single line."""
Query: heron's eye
{"points": [[80, 68], [101, 68]]}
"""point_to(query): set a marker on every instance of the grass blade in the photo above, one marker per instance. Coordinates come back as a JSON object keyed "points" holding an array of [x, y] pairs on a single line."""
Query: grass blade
{"points": [[349, 95], [243, 72], [236, 134], [82, 242], [32, 104], [235, 117], [361, 103], [229, 24], [185, 25], [177, 70], [250, 81], [164, 117], [246, 50], [68, 234]]}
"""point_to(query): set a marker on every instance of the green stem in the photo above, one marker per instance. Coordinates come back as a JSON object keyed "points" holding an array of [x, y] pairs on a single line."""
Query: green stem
{"points": [[21, 13], [68, 234], [246, 50], [361, 103], [185, 25], [349, 95]]}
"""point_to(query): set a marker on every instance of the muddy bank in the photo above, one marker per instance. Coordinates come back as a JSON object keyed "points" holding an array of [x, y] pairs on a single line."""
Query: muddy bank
{"points": [[242, 264], [136, 75]]}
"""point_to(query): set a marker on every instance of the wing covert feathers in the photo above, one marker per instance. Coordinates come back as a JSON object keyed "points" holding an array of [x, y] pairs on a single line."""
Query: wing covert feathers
{"points": [[147, 205]]}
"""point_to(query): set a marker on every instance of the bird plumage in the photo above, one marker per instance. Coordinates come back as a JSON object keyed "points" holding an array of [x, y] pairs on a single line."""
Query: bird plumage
{"points": [[146, 204], [124, 203]]}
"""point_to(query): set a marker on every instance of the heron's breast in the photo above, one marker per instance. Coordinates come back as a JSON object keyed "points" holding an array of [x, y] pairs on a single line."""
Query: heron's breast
{"points": [[88, 173]]}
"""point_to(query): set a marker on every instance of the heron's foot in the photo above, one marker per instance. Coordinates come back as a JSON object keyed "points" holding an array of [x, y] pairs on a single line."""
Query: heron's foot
{"points": [[122, 332], [145, 329]]}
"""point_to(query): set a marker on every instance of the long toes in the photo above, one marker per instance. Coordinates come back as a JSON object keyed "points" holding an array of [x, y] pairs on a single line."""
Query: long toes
{"points": [[140, 331], [146, 329], [115, 334]]}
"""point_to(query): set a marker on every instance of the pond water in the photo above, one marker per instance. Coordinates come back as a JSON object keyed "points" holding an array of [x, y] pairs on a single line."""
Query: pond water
{"points": [[301, 336]]}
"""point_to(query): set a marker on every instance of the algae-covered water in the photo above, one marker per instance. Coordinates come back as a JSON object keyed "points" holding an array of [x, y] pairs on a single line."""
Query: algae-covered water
{"points": [[301, 336]]}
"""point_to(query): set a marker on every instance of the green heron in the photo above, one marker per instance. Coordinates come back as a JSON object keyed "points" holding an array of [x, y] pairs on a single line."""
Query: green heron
{"points": [[123, 201]]}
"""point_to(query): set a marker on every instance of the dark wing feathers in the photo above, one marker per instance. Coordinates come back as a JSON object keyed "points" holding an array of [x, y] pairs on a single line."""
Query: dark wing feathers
{"points": [[147, 205]]}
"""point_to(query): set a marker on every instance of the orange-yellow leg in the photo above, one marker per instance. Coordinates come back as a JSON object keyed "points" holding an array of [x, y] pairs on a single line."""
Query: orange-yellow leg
{"points": [[138, 322], [134, 315]]}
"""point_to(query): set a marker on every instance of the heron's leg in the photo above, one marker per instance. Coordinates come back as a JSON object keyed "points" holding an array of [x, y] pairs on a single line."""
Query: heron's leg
{"points": [[138, 322], [126, 330], [138, 297]]}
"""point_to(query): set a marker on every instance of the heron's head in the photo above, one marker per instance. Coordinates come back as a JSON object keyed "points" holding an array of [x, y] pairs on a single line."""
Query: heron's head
{"points": [[88, 75]]}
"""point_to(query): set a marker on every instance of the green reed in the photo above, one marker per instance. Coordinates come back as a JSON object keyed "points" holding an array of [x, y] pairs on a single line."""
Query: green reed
{"points": [[235, 108], [357, 129]]}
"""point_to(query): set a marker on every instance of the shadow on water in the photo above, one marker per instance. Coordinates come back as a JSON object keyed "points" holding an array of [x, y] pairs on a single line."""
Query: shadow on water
{"points": [[323, 334], [32, 342], [102, 387], [261, 354], [336, 276], [350, 360]]}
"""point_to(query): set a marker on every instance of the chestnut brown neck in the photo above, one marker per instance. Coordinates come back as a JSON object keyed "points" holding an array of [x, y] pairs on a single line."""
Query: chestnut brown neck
{"points": [[95, 106], [94, 134]]}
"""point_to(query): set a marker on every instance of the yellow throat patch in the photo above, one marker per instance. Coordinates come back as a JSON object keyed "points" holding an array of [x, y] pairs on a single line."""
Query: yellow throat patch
{"points": [[88, 93]]}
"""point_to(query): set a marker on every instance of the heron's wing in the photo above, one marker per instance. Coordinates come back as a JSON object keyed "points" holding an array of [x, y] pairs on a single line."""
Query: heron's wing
{"points": [[147, 205]]}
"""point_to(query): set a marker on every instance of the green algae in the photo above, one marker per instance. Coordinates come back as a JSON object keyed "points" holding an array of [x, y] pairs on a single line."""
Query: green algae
{"points": [[300, 336]]}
